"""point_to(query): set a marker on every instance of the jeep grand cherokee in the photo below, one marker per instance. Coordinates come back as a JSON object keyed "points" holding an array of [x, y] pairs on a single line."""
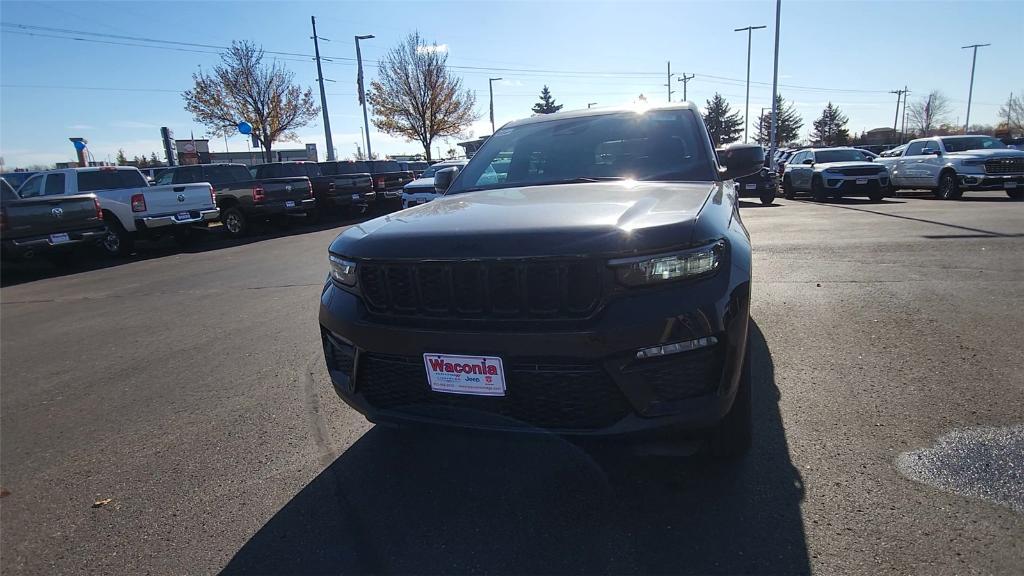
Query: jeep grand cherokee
{"points": [[586, 273]]}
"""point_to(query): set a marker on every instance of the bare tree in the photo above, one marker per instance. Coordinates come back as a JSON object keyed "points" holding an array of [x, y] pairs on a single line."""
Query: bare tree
{"points": [[1011, 115], [416, 97], [241, 88], [927, 114]]}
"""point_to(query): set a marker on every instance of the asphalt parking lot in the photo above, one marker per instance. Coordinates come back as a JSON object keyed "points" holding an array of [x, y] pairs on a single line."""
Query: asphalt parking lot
{"points": [[188, 388]]}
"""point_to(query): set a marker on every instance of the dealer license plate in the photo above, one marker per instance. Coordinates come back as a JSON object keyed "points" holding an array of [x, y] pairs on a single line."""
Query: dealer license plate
{"points": [[289, 203], [1009, 185], [59, 238], [862, 180], [183, 216], [751, 186], [473, 375]]}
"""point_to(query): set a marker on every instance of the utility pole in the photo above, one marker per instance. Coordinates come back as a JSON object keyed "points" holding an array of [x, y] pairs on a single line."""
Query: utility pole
{"points": [[589, 104], [490, 87], [668, 80], [685, 80], [775, 83], [746, 111], [362, 93], [903, 128], [970, 93], [899, 94], [323, 95]]}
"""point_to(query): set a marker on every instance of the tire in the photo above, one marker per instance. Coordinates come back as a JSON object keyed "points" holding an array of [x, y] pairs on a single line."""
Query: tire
{"points": [[1017, 194], [118, 242], [949, 188], [767, 198], [731, 438], [234, 221], [818, 190], [787, 189]]}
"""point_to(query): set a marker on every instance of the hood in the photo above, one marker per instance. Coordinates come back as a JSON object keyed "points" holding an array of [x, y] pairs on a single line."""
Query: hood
{"points": [[620, 217], [852, 164], [421, 184], [991, 153]]}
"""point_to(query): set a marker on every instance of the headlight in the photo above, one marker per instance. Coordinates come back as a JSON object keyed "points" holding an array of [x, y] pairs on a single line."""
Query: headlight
{"points": [[343, 271], [667, 267], [978, 162]]}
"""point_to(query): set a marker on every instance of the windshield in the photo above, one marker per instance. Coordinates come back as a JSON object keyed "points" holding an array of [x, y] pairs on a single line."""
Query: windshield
{"points": [[664, 145], [971, 143], [828, 156], [429, 172]]}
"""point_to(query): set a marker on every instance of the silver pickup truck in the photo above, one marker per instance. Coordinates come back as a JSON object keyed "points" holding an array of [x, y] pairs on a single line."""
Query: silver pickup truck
{"points": [[952, 165]]}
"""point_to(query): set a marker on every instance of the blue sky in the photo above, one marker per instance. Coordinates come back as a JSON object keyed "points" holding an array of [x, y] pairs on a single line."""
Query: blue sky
{"points": [[851, 53]]}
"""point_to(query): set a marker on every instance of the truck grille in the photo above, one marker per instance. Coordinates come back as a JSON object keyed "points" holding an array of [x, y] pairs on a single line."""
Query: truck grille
{"points": [[860, 171], [546, 393], [482, 289], [1004, 166]]}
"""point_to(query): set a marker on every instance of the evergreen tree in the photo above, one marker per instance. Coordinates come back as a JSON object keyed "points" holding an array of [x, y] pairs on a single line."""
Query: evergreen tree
{"points": [[787, 128], [725, 127], [121, 159], [153, 160], [830, 128], [547, 103]]}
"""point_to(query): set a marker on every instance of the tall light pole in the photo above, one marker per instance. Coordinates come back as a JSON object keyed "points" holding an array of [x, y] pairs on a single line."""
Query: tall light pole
{"points": [[746, 111], [970, 93], [323, 95], [362, 94], [589, 104], [490, 87], [775, 83]]}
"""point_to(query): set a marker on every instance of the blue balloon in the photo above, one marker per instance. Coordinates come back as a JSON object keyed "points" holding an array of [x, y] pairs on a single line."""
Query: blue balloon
{"points": [[79, 145], [245, 127]]}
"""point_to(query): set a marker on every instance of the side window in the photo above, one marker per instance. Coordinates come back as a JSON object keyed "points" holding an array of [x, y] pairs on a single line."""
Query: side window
{"points": [[914, 148], [32, 187], [187, 175], [796, 159], [165, 177], [54, 184]]}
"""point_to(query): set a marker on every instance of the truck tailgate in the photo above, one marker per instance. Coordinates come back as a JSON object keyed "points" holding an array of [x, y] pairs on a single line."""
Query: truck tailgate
{"points": [[173, 198], [50, 214], [353, 183], [289, 188]]}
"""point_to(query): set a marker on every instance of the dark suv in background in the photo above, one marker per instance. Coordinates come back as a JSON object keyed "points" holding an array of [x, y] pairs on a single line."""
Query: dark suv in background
{"points": [[586, 273]]}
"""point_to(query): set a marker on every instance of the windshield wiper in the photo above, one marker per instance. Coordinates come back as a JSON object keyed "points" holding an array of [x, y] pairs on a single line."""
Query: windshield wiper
{"points": [[576, 180]]}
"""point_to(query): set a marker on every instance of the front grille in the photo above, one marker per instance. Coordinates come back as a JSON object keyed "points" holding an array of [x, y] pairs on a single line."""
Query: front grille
{"points": [[871, 171], [1004, 166], [547, 393], [482, 289], [681, 376]]}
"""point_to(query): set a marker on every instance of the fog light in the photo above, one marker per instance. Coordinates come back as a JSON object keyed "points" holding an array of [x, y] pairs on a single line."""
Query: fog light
{"points": [[676, 348]]}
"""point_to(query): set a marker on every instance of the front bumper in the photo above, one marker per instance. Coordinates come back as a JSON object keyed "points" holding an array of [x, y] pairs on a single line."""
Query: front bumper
{"points": [[992, 181], [45, 244], [574, 378], [410, 199], [176, 219], [855, 185]]}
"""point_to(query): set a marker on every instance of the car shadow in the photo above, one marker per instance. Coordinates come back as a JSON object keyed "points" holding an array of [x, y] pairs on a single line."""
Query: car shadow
{"points": [[448, 502], [87, 259], [746, 204]]}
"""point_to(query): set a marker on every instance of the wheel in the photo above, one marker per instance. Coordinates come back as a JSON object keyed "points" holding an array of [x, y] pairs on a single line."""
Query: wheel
{"points": [[877, 196], [818, 190], [118, 242], [767, 198], [235, 222], [949, 188], [1016, 194], [787, 189], [731, 437]]}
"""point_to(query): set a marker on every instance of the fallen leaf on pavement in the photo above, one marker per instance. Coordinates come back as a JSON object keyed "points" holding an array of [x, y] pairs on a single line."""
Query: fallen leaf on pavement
{"points": [[101, 503]]}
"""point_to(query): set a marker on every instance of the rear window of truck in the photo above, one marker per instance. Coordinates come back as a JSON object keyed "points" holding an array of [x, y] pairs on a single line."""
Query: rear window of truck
{"points": [[93, 180], [336, 168], [226, 174]]}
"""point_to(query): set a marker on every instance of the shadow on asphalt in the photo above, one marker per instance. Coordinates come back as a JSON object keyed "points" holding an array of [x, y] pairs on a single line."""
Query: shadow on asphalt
{"points": [[746, 204], [214, 238], [447, 502], [972, 232]]}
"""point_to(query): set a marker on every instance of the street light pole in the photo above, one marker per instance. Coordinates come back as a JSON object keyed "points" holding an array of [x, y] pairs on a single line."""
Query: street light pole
{"points": [[589, 104], [490, 87], [362, 94], [746, 111], [323, 95], [775, 84], [970, 93]]}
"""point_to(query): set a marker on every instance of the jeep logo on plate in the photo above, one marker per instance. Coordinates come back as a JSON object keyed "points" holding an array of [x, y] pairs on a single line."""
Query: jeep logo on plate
{"points": [[57, 212], [181, 197]]}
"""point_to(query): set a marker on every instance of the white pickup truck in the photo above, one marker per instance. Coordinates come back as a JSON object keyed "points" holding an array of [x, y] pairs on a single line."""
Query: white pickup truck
{"points": [[132, 209], [952, 165]]}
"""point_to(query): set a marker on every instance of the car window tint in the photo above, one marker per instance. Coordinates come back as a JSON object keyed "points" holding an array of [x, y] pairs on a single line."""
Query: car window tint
{"points": [[93, 180], [165, 178], [915, 148], [8, 191], [32, 187], [54, 184], [217, 175], [188, 175]]}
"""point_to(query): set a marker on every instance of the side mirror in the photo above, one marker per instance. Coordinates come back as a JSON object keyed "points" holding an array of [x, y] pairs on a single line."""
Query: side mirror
{"points": [[740, 160], [809, 162], [444, 178], [931, 151]]}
